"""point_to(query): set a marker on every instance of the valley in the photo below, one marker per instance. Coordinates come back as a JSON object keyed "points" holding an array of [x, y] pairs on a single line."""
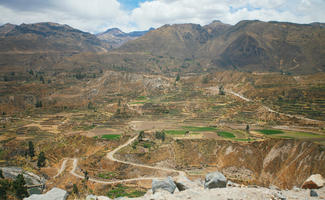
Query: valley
{"points": [[109, 121]]}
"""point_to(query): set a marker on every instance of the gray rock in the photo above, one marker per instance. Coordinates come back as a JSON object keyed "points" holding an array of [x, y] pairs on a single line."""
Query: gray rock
{"points": [[274, 187], [296, 189], [30, 178], [91, 197], [167, 184], [279, 195], [215, 180], [94, 197], [313, 193], [103, 198], [53, 194]]}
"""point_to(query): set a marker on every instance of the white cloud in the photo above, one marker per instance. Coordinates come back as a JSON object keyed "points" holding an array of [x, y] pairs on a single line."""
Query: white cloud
{"points": [[159, 12], [98, 15]]}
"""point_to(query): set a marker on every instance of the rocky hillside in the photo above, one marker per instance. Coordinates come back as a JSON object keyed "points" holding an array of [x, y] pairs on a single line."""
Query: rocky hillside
{"points": [[116, 37], [284, 163], [47, 37], [248, 45]]}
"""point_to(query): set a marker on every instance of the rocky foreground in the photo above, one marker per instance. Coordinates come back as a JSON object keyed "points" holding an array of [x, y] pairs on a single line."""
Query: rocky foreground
{"points": [[234, 193], [215, 186]]}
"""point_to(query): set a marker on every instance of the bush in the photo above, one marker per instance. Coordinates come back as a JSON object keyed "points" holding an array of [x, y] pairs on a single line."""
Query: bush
{"points": [[41, 160], [19, 187], [160, 135]]}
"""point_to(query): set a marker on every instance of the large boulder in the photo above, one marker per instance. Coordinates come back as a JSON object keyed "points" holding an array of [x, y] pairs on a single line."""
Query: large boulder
{"points": [[167, 184], [53, 194], [315, 181], [215, 180]]}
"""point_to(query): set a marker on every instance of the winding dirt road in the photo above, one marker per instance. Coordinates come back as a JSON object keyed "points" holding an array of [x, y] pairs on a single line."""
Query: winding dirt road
{"points": [[110, 156], [63, 166]]}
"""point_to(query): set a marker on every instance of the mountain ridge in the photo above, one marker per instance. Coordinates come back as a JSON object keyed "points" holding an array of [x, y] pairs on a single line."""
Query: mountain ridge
{"points": [[116, 37], [249, 45]]}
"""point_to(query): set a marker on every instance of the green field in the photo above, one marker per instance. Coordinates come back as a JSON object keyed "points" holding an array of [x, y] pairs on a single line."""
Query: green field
{"points": [[111, 137], [138, 102], [107, 175], [139, 98], [199, 129], [175, 132], [123, 191], [226, 134], [270, 132]]}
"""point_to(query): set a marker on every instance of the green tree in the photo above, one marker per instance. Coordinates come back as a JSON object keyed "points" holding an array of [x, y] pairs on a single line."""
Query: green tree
{"points": [[221, 90], [38, 104], [90, 105], [178, 77], [141, 135], [247, 128], [31, 72], [42, 79], [19, 187], [41, 160], [5, 185], [31, 151], [75, 189], [160, 135], [86, 176]]}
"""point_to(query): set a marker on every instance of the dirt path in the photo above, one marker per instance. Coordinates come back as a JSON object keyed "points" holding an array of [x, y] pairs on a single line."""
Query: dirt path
{"points": [[63, 166], [273, 111], [110, 156]]}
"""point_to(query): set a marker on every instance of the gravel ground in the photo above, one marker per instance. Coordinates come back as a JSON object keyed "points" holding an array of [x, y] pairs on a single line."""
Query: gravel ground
{"points": [[232, 193]]}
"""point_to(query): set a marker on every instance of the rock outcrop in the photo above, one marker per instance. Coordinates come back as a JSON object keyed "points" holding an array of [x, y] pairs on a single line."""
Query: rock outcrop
{"points": [[53, 194], [215, 180], [167, 184], [315, 181], [30, 178]]}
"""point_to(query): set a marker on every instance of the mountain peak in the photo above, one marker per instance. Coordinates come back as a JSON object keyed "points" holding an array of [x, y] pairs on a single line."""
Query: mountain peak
{"points": [[116, 37]]}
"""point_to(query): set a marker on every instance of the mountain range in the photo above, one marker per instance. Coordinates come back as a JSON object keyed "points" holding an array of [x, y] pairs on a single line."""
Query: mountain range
{"points": [[246, 46], [116, 37]]}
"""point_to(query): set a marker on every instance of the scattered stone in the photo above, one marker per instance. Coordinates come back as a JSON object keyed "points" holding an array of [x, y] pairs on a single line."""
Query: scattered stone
{"points": [[94, 197], [103, 198], [296, 189], [53, 194], [167, 184], [279, 195], [274, 187], [230, 184], [313, 193], [91, 197], [215, 180], [315, 181]]}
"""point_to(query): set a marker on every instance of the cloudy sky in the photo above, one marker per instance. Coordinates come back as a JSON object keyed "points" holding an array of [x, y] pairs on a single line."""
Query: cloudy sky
{"points": [[98, 15]]}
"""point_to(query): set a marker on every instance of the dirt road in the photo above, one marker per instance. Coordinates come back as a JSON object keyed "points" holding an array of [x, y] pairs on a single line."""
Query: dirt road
{"points": [[110, 156]]}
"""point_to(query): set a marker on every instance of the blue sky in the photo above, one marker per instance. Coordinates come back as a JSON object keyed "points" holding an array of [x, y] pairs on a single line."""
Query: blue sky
{"points": [[130, 4], [129, 15]]}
